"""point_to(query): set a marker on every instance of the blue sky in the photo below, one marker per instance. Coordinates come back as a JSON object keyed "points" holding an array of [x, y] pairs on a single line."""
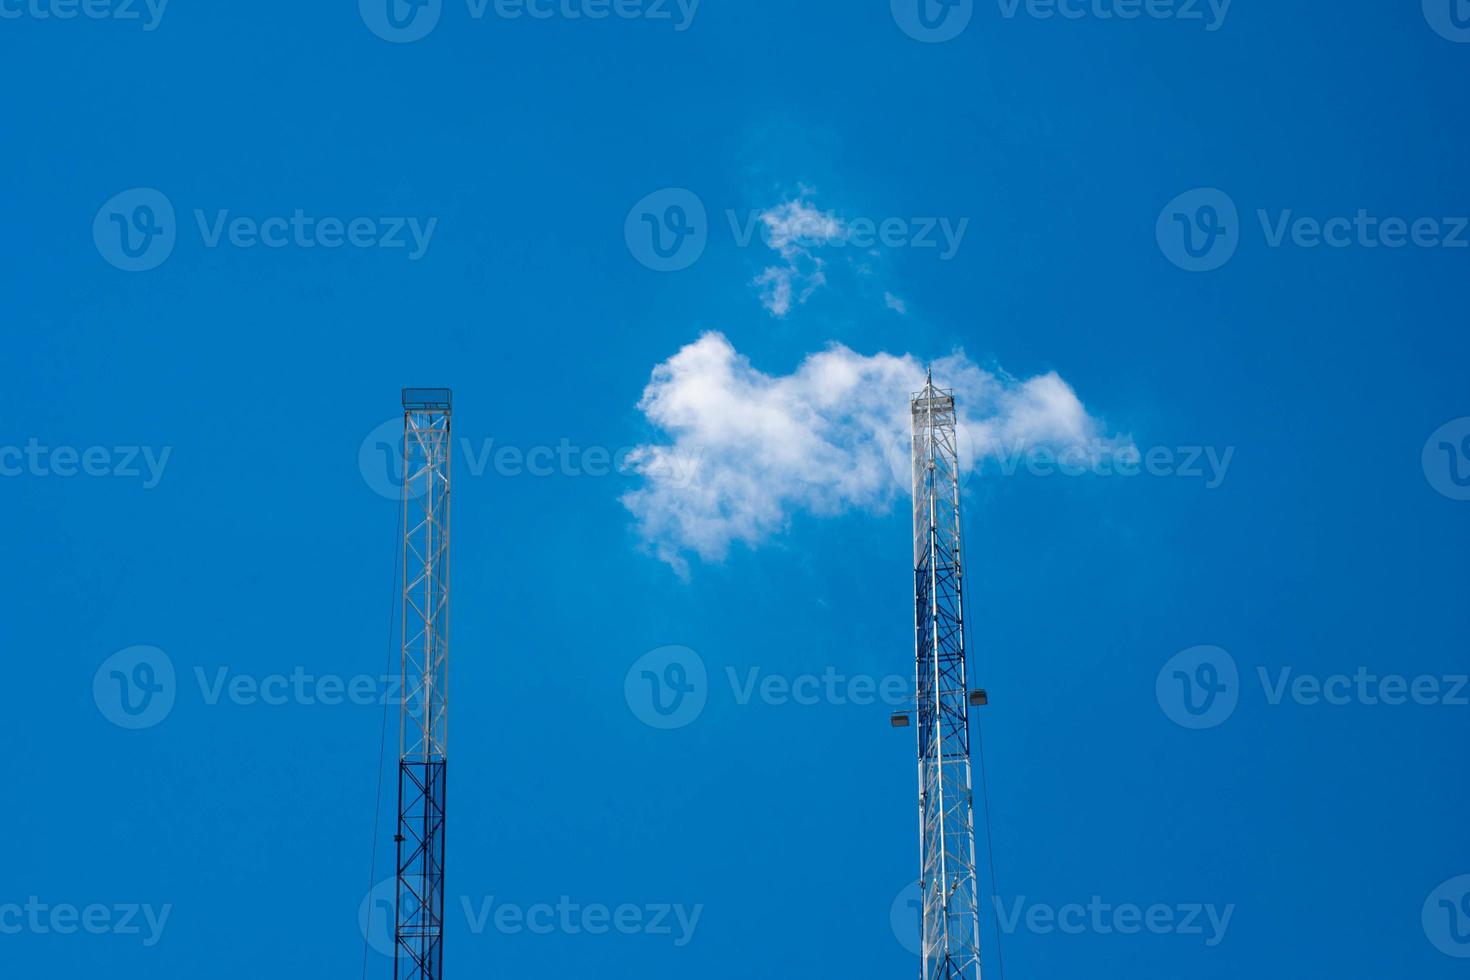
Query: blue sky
{"points": [[193, 415]]}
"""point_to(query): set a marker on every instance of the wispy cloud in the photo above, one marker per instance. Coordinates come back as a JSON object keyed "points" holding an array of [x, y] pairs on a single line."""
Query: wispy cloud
{"points": [[797, 226], [746, 450], [895, 304], [795, 230]]}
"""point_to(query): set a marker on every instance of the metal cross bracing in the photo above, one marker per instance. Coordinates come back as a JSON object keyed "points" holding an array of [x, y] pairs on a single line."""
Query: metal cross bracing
{"points": [[950, 922], [419, 904]]}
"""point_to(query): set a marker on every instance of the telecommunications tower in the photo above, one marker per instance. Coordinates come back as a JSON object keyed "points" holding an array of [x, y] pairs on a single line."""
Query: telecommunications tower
{"points": [[418, 928], [950, 930]]}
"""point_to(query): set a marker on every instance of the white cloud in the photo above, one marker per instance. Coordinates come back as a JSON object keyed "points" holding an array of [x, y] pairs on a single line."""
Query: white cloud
{"points": [[895, 304], [746, 450], [794, 230]]}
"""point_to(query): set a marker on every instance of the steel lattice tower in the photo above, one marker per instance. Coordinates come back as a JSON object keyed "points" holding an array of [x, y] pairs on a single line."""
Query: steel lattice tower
{"points": [[419, 905], [950, 930]]}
